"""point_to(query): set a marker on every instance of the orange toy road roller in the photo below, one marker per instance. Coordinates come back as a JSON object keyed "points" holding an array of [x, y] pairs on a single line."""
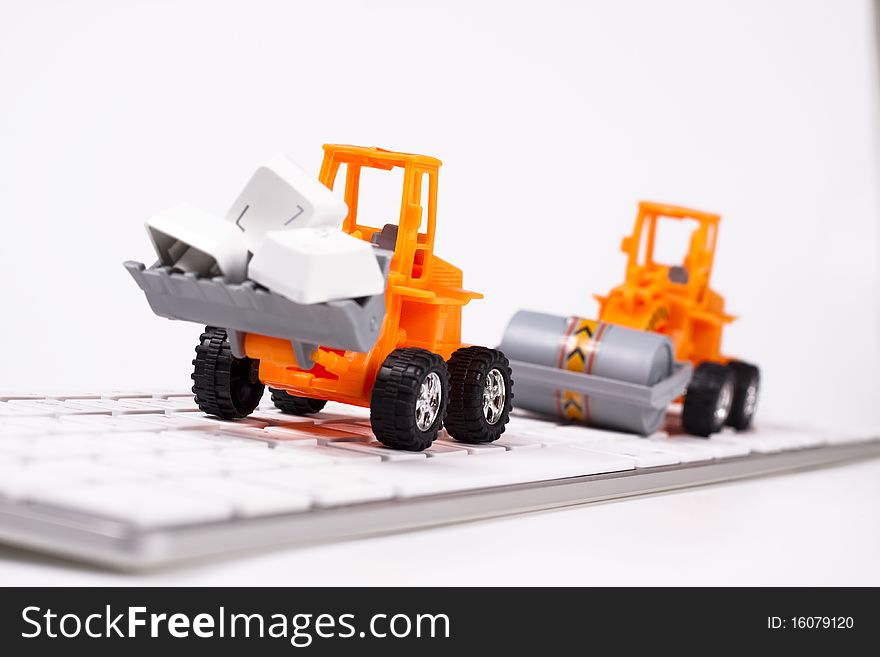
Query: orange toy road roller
{"points": [[398, 352], [676, 300]]}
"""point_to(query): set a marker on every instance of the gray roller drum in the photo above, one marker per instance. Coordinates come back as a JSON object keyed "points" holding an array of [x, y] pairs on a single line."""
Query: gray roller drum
{"points": [[596, 349]]}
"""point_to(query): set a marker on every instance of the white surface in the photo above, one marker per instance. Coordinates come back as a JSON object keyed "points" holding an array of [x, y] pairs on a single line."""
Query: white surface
{"points": [[552, 120], [281, 195], [312, 265], [805, 529], [197, 241]]}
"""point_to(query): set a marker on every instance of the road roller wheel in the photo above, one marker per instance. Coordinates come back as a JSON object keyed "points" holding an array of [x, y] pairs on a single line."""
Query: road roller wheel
{"points": [[295, 405], [708, 400], [224, 385], [480, 395], [409, 399], [746, 386]]}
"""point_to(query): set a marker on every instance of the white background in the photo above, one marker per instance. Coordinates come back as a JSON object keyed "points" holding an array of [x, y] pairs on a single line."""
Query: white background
{"points": [[553, 119]]}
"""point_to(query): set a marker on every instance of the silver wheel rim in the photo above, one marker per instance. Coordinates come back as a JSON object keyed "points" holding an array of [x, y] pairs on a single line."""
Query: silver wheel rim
{"points": [[751, 400], [494, 396], [725, 399], [428, 403]]}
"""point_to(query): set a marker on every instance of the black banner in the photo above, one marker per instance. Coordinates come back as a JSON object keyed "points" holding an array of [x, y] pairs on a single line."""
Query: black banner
{"points": [[434, 621]]}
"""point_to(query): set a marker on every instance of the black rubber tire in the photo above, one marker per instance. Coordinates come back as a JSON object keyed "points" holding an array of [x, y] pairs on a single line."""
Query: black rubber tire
{"points": [[465, 418], [395, 393], [745, 375], [701, 399], [224, 385], [294, 404]]}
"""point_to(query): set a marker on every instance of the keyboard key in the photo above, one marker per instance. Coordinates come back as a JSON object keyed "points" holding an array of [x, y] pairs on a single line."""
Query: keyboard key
{"points": [[718, 449], [250, 498], [159, 505], [329, 486], [435, 476], [440, 450], [477, 449], [282, 435], [385, 453], [645, 455], [518, 442], [757, 444], [30, 479]]}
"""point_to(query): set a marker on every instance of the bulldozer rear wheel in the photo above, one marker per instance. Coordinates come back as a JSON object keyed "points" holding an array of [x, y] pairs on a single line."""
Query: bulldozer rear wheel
{"points": [[708, 400], [746, 385], [224, 385], [480, 395], [294, 404]]}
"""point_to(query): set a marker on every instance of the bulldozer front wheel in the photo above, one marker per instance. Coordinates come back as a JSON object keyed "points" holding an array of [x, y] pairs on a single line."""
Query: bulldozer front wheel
{"points": [[480, 395], [746, 385], [295, 405], [409, 399], [708, 400], [224, 385]]}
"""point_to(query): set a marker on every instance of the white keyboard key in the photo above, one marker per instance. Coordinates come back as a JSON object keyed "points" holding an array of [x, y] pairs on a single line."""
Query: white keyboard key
{"points": [[215, 422], [329, 486], [116, 407], [173, 405], [475, 449], [103, 423], [338, 456], [67, 394], [687, 453], [354, 428], [518, 442], [250, 498], [52, 406], [645, 456], [281, 435], [440, 450], [435, 476], [6, 396], [718, 449], [162, 465], [159, 505], [224, 440], [755, 443], [381, 451], [8, 410], [26, 480], [128, 394], [286, 458]]}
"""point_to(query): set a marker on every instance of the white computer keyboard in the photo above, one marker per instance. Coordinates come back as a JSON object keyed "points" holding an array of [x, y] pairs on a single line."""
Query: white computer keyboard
{"points": [[139, 478]]}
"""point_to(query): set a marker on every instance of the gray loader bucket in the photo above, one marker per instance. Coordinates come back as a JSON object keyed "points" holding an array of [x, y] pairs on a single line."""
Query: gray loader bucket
{"points": [[349, 324]]}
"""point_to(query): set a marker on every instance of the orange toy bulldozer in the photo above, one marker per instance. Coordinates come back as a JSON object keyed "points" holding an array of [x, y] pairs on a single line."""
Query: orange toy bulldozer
{"points": [[676, 300], [414, 375]]}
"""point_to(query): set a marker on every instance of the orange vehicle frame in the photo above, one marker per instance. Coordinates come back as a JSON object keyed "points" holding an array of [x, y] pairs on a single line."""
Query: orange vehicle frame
{"points": [[675, 301], [423, 294]]}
